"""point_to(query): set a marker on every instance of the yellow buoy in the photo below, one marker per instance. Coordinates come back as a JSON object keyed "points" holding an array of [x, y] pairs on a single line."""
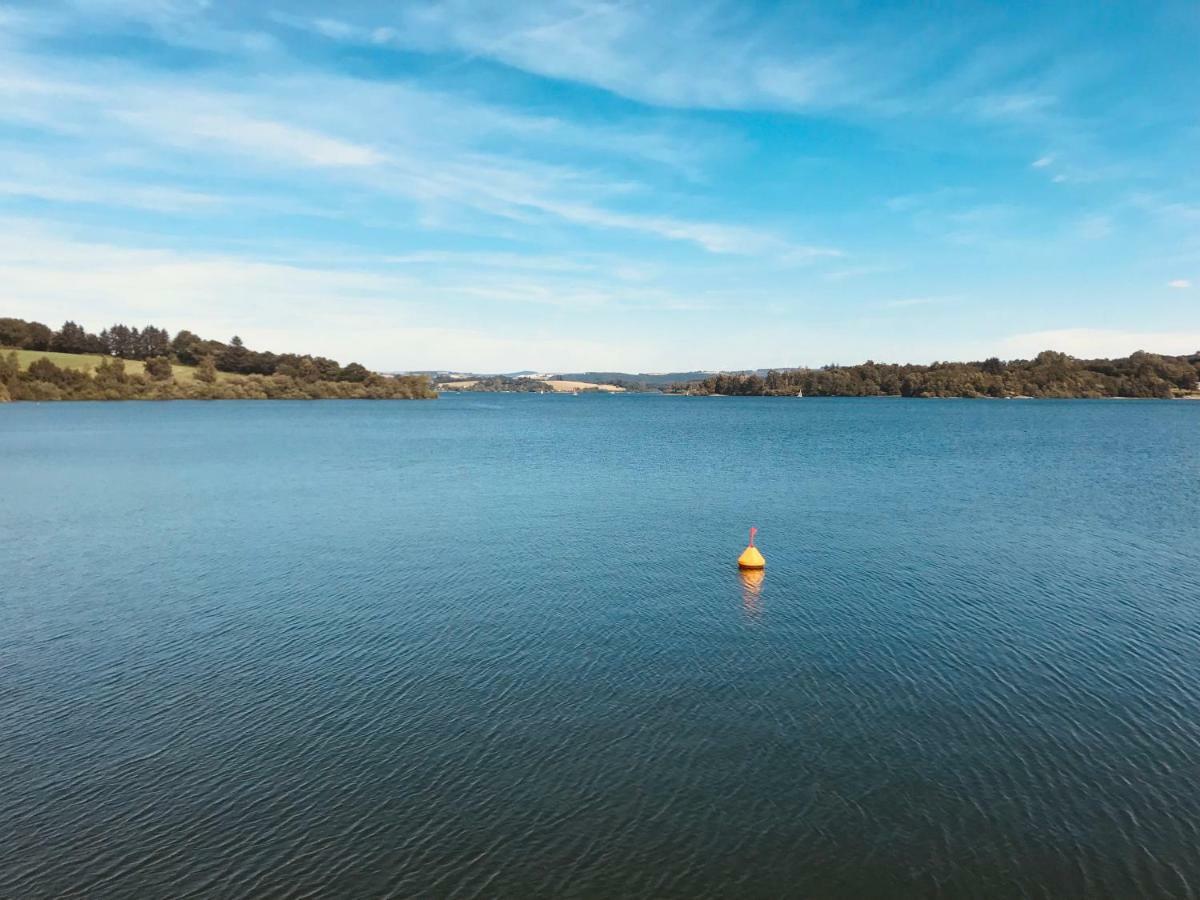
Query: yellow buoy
{"points": [[751, 558]]}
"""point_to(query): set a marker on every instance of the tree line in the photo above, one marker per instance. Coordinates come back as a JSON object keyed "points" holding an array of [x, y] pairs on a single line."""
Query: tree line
{"points": [[185, 348], [246, 374], [500, 384], [1049, 374]]}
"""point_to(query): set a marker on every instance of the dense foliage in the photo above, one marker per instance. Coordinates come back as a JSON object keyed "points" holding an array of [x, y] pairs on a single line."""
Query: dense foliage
{"points": [[43, 380], [1050, 374], [247, 374]]}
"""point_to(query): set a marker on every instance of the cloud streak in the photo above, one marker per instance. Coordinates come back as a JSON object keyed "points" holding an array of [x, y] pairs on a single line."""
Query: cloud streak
{"points": [[54, 276], [394, 160]]}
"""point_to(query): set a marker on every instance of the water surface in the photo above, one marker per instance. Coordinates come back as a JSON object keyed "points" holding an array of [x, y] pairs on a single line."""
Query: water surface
{"points": [[495, 645]]}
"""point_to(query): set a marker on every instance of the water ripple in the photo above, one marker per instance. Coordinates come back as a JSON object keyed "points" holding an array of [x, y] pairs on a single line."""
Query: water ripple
{"points": [[497, 649]]}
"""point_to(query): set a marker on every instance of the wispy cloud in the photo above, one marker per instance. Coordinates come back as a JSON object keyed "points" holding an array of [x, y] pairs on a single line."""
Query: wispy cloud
{"points": [[53, 276], [389, 150], [850, 272], [30, 175], [795, 59], [937, 198], [1179, 283], [252, 136], [1019, 107], [606, 45]]}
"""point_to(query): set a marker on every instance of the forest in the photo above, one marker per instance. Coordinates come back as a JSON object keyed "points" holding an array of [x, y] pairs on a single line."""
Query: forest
{"points": [[1049, 375], [183, 367]]}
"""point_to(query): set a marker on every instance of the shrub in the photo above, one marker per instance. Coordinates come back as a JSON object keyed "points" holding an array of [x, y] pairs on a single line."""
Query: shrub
{"points": [[158, 368]]}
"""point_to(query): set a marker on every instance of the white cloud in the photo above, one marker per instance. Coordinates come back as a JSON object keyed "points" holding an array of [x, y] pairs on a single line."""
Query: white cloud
{"points": [[376, 312], [492, 350], [1019, 107], [142, 10], [382, 142], [713, 237], [1041, 162], [69, 190], [490, 261], [795, 59], [264, 138], [31, 175], [838, 275], [1179, 283]]}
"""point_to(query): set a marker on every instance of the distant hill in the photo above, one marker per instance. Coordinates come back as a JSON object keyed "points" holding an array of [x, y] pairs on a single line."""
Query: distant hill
{"points": [[629, 380], [443, 375], [501, 383], [650, 379]]}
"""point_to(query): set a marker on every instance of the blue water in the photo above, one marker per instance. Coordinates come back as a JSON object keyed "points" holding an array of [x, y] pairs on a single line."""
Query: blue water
{"points": [[495, 645]]}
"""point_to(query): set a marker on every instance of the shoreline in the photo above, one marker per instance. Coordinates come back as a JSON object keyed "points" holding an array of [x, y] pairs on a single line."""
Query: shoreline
{"points": [[822, 396]]}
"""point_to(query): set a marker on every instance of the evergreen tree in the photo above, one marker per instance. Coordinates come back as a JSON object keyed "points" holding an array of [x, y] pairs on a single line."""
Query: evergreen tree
{"points": [[234, 357], [154, 342], [71, 338], [120, 341]]}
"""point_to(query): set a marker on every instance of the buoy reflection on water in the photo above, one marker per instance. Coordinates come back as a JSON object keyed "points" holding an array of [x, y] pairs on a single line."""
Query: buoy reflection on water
{"points": [[752, 581]]}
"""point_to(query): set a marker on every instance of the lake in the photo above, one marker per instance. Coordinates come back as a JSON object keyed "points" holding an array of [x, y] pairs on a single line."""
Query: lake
{"points": [[497, 645]]}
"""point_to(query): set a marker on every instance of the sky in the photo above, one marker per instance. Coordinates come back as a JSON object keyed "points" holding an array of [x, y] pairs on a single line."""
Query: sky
{"points": [[569, 185]]}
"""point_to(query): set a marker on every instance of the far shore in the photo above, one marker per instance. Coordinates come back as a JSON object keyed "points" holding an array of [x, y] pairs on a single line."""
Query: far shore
{"points": [[559, 387]]}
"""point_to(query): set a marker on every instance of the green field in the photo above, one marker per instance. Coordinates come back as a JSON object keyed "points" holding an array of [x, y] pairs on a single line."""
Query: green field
{"points": [[87, 362]]}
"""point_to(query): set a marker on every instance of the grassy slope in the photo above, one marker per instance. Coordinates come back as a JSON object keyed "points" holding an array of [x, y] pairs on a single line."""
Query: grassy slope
{"points": [[87, 362]]}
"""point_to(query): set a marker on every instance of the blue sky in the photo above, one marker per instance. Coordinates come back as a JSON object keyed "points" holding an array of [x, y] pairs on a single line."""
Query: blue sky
{"points": [[607, 185]]}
